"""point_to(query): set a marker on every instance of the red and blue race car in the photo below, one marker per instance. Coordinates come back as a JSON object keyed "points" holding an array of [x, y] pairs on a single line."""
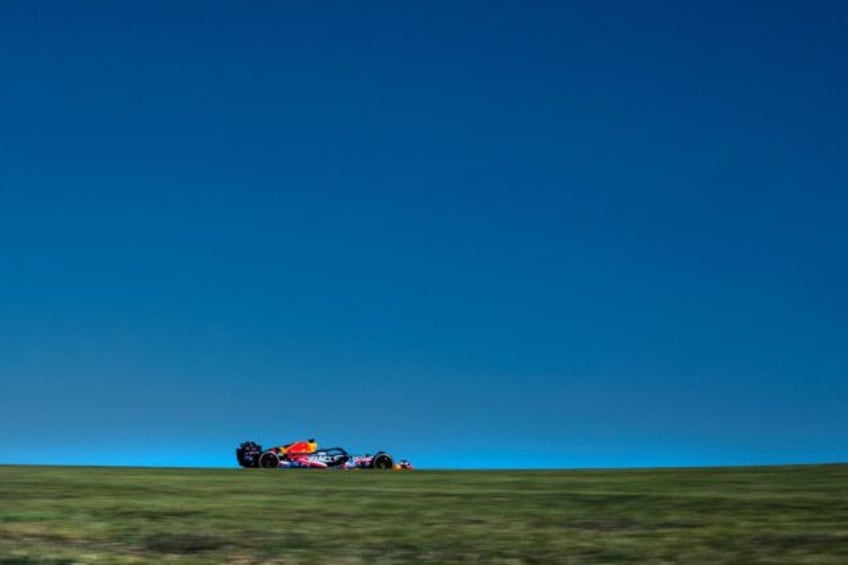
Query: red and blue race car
{"points": [[307, 455]]}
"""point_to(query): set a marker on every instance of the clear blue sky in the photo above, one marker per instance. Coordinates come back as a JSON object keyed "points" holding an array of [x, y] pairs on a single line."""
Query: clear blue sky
{"points": [[474, 234]]}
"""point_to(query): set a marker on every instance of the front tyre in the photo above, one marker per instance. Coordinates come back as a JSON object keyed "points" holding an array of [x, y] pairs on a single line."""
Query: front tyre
{"points": [[269, 460], [382, 461]]}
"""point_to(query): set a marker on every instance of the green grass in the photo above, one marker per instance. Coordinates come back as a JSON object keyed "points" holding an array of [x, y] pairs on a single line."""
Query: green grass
{"points": [[129, 515]]}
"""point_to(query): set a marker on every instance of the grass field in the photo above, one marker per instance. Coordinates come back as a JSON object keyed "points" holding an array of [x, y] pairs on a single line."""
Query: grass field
{"points": [[116, 515]]}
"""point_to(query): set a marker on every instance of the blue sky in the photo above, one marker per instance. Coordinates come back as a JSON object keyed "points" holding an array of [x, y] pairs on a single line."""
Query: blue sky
{"points": [[481, 234]]}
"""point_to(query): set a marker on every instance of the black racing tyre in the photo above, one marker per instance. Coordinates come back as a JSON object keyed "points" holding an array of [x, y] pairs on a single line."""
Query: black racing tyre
{"points": [[382, 461], [269, 460]]}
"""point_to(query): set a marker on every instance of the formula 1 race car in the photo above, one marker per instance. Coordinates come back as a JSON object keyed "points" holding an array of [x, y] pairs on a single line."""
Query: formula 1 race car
{"points": [[306, 455]]}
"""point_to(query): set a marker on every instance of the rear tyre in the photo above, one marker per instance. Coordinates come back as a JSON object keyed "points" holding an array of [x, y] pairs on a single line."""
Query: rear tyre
{"points": [[269, 460], [382, 461]]}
